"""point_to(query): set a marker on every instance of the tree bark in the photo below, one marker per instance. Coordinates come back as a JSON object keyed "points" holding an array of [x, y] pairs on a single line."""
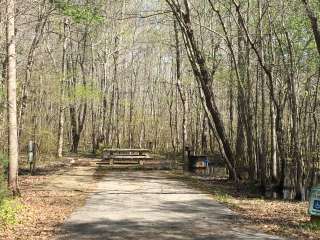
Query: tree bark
{"points": [[263, 136], [314, 23], [12, 100], [64, 75], [182, 94]]}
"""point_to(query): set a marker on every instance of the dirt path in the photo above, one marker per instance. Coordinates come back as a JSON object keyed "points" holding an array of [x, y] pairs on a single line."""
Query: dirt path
{"points": [[148, 206]]}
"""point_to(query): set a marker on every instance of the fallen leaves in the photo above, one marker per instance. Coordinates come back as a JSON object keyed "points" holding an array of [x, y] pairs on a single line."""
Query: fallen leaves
{"points": [[285, 218], [47, 203]]}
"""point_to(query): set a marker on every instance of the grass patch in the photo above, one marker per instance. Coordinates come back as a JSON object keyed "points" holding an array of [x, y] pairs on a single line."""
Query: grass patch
{"points": [[9, 208], [311, 226], [9, 211], [223, 197]]}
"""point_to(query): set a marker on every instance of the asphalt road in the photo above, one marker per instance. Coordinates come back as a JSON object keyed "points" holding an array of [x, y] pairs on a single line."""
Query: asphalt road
{"points": [[148, 206]]}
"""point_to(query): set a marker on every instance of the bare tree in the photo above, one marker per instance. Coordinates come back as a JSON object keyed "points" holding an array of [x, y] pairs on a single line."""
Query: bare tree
{"points": [[12, 100], [204, 78], [62, 86]]}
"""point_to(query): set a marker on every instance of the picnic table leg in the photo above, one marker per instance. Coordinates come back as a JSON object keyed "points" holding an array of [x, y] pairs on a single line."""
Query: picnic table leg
{"points": [[111, 161], [141, 162]]}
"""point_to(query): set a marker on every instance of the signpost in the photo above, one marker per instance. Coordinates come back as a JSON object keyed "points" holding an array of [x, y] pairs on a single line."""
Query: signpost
{"points": [[314, 204]]}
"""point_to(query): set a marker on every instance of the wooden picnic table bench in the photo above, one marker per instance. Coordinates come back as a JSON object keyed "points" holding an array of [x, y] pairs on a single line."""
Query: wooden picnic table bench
{"points": [[126, 156], [126, 151]]}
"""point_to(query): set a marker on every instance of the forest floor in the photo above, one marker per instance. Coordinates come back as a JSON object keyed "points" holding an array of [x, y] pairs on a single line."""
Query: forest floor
{"points": [[48, 198], [285, 218]]}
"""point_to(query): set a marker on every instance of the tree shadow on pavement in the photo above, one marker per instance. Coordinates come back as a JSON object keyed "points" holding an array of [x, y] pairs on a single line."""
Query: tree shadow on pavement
{"points": [[196, 220]]}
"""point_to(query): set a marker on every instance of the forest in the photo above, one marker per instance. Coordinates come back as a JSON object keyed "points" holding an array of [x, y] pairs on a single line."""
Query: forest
{"points": [[236, 80], [236, 77]]}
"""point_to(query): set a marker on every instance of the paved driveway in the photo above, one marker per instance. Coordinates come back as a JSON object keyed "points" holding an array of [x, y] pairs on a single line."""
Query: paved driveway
{"points": [[148, 206]]}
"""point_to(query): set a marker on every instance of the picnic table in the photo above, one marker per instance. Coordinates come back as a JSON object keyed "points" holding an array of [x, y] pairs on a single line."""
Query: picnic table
{"points": [[126, 156]]}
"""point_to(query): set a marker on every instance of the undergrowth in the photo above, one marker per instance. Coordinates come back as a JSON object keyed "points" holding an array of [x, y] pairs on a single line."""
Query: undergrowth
{"points": [[9, 212], [9, 208], [311, 226], [3, 166]]}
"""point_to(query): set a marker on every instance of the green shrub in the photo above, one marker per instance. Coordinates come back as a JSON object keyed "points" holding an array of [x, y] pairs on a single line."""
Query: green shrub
{"points": [[3, 190], [311, 226], [222, 197], [4, 161], [3, 165], [9, 210]]}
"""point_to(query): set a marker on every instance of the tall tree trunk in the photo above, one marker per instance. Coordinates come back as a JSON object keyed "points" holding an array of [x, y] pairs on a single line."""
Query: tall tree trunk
{"points": [[273, 134], [240, 140], [263, 148], [182, 94], [116, 93], [296, 156], [62, 86], [12, 100], [170, 101]]}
